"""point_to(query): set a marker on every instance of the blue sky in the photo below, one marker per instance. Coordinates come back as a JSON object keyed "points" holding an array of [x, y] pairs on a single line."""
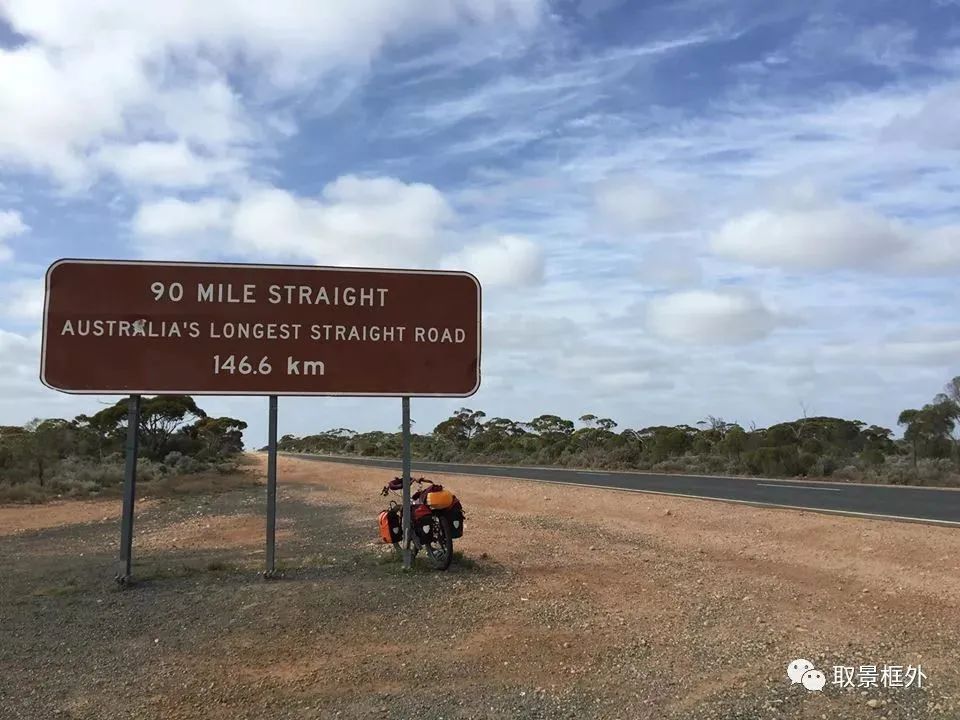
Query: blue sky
{"points": [[737, 207]]}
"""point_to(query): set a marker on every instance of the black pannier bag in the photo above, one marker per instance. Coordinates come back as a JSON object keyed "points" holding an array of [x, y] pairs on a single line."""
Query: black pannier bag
{"points": [[456, 519]]}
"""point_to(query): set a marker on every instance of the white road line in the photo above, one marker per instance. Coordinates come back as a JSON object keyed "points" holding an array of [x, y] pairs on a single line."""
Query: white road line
{"points": [[800, 487]]}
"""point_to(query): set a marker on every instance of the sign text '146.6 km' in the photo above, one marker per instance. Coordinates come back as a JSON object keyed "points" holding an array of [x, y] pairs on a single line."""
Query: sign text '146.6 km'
{"points": [[230, 364]]}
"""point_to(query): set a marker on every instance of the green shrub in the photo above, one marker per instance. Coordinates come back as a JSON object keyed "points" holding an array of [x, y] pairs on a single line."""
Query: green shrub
{"points": [[897, 471], [547, 456], [84, 488], [669, 466], [186, 465], [73, 473], [702, 446], [849, 472], [808, 463], [716, 464], [934, 472], [901, 471], [824, 466], [23, 493], [148, 470]]}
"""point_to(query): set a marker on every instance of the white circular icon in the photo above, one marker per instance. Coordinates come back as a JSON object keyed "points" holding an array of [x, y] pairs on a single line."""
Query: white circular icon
{"points": [[814, 680], [797, 668]]}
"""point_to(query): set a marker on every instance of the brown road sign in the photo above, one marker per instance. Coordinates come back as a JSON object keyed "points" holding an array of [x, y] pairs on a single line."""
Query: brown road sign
{"points": [[126, 327]]}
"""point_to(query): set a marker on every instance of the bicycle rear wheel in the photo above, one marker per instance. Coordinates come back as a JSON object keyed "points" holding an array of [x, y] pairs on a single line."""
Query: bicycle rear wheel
{"points": [[440, 547]]}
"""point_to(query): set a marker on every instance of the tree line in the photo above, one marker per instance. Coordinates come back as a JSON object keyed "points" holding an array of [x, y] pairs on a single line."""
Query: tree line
{"points": [[85, 454], [927, 453]]}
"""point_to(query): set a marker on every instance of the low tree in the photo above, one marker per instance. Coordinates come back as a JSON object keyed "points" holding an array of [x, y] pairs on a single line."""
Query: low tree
{"points": [[949, 401], [98, 433], [633, 436], [161, 417], [928, 429], [914, 432], [17, 450], [462, 427], [551, 427], [220, 437], [734, 441], [47, 441]]}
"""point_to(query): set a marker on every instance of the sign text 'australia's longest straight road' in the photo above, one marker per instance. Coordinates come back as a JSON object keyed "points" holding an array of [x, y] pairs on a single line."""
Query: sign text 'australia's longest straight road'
{"points": [[127, 327]]}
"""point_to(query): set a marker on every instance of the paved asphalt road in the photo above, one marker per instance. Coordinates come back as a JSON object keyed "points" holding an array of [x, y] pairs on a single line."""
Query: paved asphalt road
{"points": [[880, 501]]}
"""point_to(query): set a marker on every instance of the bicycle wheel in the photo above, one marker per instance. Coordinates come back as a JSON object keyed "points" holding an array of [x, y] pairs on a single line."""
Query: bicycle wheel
{"points": [[440, 547]]}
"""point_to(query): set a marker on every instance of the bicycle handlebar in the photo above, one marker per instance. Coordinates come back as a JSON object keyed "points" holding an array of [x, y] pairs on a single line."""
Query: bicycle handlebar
{"points": [[387, 488]]}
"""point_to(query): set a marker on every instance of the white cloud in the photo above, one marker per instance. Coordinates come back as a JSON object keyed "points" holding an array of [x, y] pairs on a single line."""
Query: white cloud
{"points": [[370, 222], [165, 164], [19, 365], [619, 383], [831, 236], [935, 251], [22, 300], [509, 260], [180, 220], [52, 105], [887, 45], [353, 32], [635, 205], [924, 125], [107, 70], [671, 264], [920, 346], [22, 396], [526, 331], [541, 103], [706, 316], [815, 238], [11, 225], [832, 38], [355, 221], [746, 141], [603, 351]]}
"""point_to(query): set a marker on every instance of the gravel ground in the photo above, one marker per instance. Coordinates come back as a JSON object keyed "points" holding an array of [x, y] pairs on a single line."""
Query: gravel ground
{"points": [[566, 603]]}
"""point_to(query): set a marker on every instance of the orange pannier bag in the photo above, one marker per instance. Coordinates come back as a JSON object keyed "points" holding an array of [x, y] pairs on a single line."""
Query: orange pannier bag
{"points": [[440, 499], [385, 527]]}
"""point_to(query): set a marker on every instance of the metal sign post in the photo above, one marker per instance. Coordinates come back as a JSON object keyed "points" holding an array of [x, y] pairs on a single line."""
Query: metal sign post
{"points": [[271, 570], [124, 574], [407, 520]]}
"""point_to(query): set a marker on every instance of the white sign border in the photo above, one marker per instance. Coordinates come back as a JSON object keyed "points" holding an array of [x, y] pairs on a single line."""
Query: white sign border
{"points": [[258, 393]]}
